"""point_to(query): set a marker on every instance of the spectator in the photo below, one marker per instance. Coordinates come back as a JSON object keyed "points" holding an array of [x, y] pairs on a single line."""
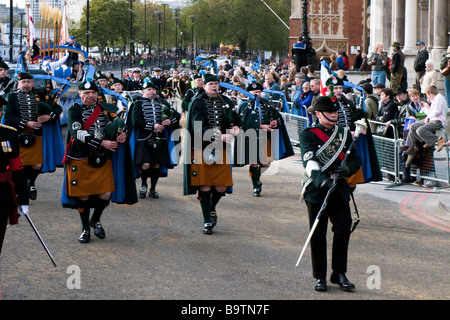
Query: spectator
{"points": [[420, 63], [397, 67], [388, 111], [303, 102], [429, 78], [445, 62], [379, 62], [364, 64], [340, 61], [358, 61], [425, 130], [346, 60], [371, 103], [333, 64]]}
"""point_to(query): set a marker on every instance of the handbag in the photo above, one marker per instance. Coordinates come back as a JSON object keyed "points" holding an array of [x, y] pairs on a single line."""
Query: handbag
{"points": [[446, 70], [381, 130]]}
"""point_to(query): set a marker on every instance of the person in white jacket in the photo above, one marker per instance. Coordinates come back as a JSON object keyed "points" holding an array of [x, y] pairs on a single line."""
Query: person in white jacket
{"points": [[430, 77]]}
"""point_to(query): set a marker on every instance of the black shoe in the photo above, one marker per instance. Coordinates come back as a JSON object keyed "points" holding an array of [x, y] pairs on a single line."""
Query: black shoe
{"points": [[153, 194], [208, 228], [99, 232], [341, 280], [214, 218], [321, 285], [256, 192], [143, 192], [33, 193], [85, 236]]}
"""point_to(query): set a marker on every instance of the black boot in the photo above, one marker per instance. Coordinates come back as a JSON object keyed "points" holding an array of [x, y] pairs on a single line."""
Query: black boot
{"points": [[215, 197], [83, 210], [144, 176], [99, 232], [154, 177], [205, 202]]}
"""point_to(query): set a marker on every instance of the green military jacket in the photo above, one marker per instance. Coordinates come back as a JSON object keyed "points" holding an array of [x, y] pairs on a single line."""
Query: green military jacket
{"points": [[320, 158]]}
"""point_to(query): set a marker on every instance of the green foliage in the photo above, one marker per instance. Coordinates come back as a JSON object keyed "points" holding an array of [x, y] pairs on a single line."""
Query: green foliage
{"points": [[248, 23]]}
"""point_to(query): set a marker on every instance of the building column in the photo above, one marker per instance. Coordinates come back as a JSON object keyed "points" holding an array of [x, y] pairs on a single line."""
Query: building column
{"points": [[398, 21], [410, 27], [440, 32], [377, 24]]}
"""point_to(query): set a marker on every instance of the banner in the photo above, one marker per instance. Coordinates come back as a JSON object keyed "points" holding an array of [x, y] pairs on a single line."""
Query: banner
{"points": [[64, 33], [31, 31]]}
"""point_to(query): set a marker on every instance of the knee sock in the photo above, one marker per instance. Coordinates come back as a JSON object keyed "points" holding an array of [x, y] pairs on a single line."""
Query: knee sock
{"points": [[31, 175], [205, 203], [144, 176], [83, 210], [154, 176], [254, 175], [99, 208], [215, 197]]}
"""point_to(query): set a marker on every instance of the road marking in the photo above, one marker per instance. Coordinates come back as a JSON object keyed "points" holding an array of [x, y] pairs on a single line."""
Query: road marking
{"points": [[412, 207]]}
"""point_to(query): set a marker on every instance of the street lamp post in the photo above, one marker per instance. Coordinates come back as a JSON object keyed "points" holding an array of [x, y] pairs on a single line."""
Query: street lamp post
{"points": [[193, 47], [176, 33], [87, 28], [131, 33], [311, 53], [21, 40], [159, 13], [164, 32]]}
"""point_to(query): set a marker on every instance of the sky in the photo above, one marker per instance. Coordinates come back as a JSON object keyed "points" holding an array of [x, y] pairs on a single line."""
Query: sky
{"points": [[21, 3]]}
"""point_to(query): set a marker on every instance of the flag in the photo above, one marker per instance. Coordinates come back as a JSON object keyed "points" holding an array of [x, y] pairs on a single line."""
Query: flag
{"points": [[31, 31], [64, 33], [325, 73]]}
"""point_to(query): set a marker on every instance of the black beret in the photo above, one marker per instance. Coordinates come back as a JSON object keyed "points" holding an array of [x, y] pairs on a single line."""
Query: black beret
{"points": [[326, 103]]}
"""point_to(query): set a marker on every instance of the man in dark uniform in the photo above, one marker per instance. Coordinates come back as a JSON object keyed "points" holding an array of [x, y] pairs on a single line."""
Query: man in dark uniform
{"points": [[151, 116], [6, 83], [211, 125], [13, 183], [347, 115], [29, 111], [94, 132], [191, 93], [299, 54], [73, 56], [260, 118], [175, 90], [323, 148], [135, 83], [159, 80]]}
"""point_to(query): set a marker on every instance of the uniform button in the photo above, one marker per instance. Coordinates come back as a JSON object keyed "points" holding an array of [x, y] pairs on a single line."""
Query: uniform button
{"points": [[74, 182], [194, 173]]}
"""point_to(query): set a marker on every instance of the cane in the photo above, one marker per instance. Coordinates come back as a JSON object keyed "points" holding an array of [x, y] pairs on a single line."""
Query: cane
{"points": [[360, 127], [25, 213]]}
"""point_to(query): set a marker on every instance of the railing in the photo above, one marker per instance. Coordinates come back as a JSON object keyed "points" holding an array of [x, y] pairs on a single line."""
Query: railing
{"points": [[431, 165]]}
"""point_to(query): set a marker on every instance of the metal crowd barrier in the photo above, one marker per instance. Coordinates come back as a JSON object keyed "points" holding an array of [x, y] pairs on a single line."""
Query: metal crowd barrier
{"points": [[432, 165]]}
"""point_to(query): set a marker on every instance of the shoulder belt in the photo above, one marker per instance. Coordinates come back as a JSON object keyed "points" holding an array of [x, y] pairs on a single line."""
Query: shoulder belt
{"points": [[322, 136]]}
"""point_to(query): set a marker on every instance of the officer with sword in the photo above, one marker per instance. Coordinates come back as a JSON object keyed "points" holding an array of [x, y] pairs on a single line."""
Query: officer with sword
{"points": [[327, 167]]}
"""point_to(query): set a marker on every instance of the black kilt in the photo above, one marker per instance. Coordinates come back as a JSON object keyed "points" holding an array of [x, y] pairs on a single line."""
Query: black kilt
{"points": [[144, 155]]}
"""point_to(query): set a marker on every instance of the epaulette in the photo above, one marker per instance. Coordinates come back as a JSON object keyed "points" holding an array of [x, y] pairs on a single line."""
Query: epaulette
{"points": [[7, 127]]}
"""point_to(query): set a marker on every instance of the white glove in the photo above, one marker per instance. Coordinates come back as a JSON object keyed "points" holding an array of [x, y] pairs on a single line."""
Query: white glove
{"points": [[23, 210]]}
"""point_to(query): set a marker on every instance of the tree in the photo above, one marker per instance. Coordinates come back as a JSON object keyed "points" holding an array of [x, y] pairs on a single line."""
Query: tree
{"points": [[109, 23], [248, 23]]}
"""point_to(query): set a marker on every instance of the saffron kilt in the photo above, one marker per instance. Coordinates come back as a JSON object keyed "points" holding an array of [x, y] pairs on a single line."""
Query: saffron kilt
{"points": [[214, 174], [84, 180], [34, 154]]}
